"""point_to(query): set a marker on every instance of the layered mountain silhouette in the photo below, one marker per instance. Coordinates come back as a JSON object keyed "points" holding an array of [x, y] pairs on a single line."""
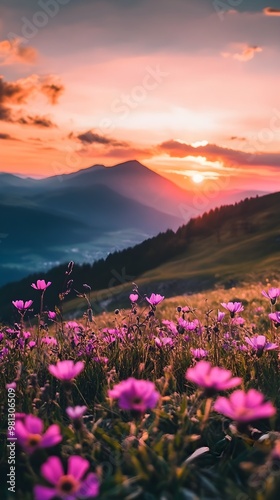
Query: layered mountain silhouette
{"points": [[86, 215]]}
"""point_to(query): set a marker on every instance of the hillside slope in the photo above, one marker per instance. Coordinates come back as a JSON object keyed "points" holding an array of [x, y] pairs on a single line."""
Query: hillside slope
{"points": [[223, 246]]}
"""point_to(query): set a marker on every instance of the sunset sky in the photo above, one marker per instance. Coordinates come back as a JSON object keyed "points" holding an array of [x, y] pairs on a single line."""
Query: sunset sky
{"points": [[189, 88]]}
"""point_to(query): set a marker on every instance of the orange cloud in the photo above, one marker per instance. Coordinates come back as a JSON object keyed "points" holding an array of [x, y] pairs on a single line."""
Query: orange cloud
{"points": [[213, 152], [13, 51], [270, 11], [13, 94], [246, 52], [52, 89]]}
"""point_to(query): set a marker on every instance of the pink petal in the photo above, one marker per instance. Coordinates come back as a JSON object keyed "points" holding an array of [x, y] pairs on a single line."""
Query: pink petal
{"points": [[234, 382], [51, 437], [222, 405], [52, 470], [34, 425], [78, 368], [21, 432], [43, 493], [77, 467], [238, 399], [90, 486], [254, 398]]}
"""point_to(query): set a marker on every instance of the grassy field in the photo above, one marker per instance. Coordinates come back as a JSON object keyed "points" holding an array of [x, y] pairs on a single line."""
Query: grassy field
{"points": [[180, 443], [208, 263], [171, 393]]}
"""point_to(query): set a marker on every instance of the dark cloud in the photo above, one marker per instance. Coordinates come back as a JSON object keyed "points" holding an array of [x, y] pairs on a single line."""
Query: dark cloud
{"points": [[91, 137], [14, 92], [52, 90], [7, 137], [271, 11], [36, 121], [228, 156]]}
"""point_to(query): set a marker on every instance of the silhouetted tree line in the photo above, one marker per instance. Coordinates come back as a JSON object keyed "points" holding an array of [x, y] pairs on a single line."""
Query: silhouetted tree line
{"points": [[127, 265]]}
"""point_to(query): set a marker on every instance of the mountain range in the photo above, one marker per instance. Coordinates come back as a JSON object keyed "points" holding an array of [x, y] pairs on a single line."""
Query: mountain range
{"points": [[86, 215]]}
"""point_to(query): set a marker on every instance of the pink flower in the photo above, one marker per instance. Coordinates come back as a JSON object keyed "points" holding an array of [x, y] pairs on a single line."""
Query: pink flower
{"points": [[164, 342], [101, 359], [30, 436], [51, 315], [245, 407], [26, 335], [74, 326], [49, 340], [260, 344], [213, 379], [272, 294], [69, 486], [233, 307], [155, 299], [76, 412], [41, 285], [21, 305], [199, 353], [136, 395], [259, 310], [275, 317], [220, 316], [238, 321], [12, 385], [66, 370], [242, 348], [133, 297], [170, 326]]}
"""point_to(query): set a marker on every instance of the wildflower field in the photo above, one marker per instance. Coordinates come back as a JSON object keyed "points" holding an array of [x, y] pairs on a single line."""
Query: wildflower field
{"points": [[166, 399]]}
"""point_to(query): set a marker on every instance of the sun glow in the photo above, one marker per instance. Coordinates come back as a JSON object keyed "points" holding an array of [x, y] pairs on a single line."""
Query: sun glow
{"points": [[197, 178], [198, 144]]}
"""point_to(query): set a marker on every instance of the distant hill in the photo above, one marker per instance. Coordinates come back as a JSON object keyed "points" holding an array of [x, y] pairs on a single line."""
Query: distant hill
{"points": [[88, 214], [222, 245], [84, 215]]}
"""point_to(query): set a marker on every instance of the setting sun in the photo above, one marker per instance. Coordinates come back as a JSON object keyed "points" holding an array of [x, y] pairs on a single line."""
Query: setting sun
{"points": [[198, 178]]}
